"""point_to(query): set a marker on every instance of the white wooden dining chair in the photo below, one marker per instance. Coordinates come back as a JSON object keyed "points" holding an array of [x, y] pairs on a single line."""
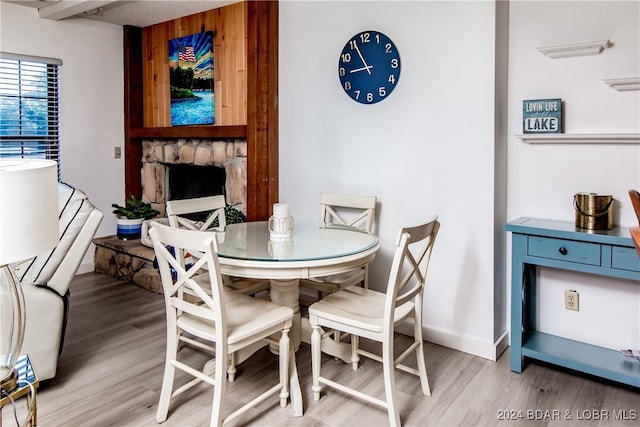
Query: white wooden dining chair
{"points": [[217, 322], [349, 210], [370, 314], [180, 214]]}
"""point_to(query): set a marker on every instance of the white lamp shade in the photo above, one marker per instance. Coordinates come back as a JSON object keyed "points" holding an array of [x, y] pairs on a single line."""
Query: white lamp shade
{"points": [[28, 208]]}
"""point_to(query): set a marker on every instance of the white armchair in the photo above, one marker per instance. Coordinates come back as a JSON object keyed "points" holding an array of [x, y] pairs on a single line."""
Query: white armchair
{"points": [[45, 280]]}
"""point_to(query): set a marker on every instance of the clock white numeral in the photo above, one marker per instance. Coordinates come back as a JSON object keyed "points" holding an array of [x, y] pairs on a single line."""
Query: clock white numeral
{"points": [[347, 85], [369, 97], [364, 38], [392, 79], [342, 72], [387, 48], [357, 92], [382, 91], [346, 57], [394, 63]]}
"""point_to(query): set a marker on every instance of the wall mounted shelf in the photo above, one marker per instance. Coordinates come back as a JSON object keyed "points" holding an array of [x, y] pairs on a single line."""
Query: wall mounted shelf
{"points": [[630, 83], [591, 138], [575, 49]]}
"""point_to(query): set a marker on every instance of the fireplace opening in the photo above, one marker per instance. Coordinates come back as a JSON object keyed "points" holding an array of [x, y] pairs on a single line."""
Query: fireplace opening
{"points": [[211, 167], [190, 181]]}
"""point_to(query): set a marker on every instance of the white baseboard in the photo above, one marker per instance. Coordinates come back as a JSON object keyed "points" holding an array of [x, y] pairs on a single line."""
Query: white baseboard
{"points": [[477, 347], [86, 267]]}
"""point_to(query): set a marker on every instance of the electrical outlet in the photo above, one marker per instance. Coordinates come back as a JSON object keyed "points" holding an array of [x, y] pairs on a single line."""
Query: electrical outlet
{"points": [[571, 301], [117, 152]]}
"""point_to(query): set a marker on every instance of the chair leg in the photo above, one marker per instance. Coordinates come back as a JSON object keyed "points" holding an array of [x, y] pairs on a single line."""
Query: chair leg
{"points": [[316, 338], [388, 367], [179, 342], [284, 366], [231, 368], [167, 379], [422, 368], [355, 344], [220, 382]]}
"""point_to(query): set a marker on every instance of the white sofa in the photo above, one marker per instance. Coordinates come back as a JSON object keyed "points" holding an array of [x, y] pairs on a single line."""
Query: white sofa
{"points": [[45, 280]]}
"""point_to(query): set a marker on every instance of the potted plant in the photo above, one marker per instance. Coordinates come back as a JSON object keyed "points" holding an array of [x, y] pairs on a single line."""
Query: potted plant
{"points": [[231, 215], [131, 216]]}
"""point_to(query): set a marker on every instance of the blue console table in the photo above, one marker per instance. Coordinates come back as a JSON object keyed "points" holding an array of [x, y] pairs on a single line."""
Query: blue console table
{"points": [[559, 244]]}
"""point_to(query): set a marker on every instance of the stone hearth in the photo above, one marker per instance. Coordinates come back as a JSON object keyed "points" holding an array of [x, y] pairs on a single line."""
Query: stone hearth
{"points": [[228, 154], [127, 260]]}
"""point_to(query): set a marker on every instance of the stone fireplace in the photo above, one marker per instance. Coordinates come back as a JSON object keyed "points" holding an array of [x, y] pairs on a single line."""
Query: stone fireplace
{"points": [[230, 156], [198, 160]]}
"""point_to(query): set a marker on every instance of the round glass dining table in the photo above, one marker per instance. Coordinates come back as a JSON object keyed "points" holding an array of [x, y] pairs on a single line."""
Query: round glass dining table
{"points": [[247, 250]]}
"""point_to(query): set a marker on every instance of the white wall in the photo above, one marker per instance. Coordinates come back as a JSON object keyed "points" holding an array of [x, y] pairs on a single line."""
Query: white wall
{"points": [[432, 148], [542, 179], [91, 104], [426, 150]]}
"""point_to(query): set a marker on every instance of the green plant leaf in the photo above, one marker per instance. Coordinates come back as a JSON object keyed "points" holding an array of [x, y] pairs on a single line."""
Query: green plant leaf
{"points": [[135, 209], [231, 215]]}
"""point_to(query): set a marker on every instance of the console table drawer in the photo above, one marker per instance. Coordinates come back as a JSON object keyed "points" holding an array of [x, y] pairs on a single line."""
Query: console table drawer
{"points": [[565, 250], [625, 258]]}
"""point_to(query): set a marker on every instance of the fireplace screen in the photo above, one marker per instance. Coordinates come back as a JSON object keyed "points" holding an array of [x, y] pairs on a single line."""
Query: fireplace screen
{"points": [[189, 181]]}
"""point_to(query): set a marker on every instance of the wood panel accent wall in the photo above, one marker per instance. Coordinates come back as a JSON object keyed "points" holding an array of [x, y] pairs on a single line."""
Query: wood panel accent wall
{"points": [[246, 92], [262, 109], [132, 51], [229, 27]]}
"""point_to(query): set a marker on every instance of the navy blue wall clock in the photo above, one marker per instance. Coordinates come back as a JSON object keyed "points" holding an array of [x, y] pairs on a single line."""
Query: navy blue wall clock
{"points": [[369, 67]]}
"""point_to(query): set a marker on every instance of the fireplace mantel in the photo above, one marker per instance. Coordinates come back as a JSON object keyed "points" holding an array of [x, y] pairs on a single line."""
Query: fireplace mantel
{"points": [[214, 131]]}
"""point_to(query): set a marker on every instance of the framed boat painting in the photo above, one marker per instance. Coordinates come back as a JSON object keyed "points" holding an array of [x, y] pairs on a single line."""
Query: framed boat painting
{"points": [[191, 80]]}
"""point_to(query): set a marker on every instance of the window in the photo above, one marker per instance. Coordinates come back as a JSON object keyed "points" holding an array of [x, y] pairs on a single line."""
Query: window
{"points": [[29, 114]]}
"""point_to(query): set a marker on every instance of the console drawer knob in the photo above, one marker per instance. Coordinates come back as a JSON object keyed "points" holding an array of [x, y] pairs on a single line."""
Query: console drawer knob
{"points": [[563, 250]]}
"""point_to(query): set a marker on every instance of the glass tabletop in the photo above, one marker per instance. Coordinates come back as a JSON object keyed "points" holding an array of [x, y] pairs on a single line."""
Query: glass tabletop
{"points": [[250, 241]]}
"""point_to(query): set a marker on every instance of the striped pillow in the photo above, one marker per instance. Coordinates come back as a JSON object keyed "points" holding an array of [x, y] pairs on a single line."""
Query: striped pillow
{"points": [[73, 210]]}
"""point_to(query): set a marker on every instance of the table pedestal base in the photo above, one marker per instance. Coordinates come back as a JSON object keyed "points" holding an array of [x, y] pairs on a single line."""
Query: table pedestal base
{"points": [[287, 293]]}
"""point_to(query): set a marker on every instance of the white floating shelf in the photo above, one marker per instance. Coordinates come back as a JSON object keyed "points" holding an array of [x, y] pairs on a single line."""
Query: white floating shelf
{"points": [[630, 83], [564, 138], [575, 49]]}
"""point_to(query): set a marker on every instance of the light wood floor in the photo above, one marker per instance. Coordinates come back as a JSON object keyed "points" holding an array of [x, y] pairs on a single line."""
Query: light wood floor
{"points": [[111, 369]]}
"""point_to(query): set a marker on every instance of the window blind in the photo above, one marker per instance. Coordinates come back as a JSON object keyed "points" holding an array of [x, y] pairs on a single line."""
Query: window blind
{"points": [[29, 107]]}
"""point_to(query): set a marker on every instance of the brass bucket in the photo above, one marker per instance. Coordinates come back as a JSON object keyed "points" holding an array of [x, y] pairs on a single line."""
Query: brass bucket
{"points": [[593, 211]]}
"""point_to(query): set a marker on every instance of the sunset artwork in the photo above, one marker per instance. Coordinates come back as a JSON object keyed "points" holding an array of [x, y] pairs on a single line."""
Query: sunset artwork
{"points": [[191, 79]]}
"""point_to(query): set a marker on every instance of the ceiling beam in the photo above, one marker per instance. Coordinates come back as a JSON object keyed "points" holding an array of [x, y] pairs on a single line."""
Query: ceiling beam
{"points": [[67, 8]]}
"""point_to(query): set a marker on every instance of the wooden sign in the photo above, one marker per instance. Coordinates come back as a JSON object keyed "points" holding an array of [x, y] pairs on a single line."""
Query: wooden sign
{"points": [[542, 115]]}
